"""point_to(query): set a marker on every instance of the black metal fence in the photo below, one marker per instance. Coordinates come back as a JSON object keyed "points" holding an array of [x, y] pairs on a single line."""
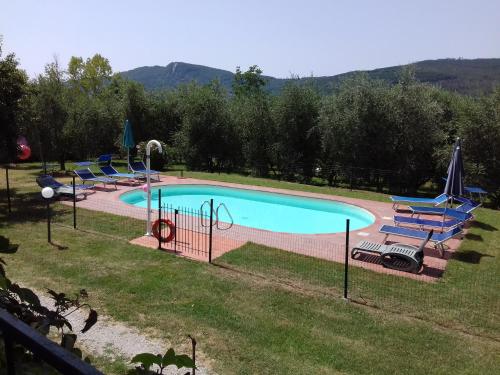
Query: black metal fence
{"points": [[313, 263], [185, 230]]}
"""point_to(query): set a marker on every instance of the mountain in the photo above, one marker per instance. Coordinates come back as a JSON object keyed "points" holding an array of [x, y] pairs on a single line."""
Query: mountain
{"points": [[471, 77]]}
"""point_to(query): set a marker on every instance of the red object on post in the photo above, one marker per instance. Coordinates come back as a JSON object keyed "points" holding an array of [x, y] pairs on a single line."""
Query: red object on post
{"points": [[25, 152]]}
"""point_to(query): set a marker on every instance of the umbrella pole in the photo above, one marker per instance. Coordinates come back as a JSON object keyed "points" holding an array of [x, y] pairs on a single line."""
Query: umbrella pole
{"points": [[128, 159]]}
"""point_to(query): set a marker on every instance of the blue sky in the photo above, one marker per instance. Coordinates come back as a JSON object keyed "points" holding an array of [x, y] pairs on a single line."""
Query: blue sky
{"points": [[282, 37]]}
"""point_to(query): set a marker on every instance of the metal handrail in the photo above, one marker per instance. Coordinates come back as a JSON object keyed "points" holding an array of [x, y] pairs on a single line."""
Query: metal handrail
{"points": [[217, 216], [201, 214]]}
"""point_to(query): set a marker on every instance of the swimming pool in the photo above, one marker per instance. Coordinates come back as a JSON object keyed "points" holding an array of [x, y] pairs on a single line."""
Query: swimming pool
{"points": [[262, 210]]}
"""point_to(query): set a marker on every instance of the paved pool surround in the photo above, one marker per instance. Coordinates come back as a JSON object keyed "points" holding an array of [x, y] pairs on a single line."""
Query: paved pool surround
{"points": [[326, 246]]}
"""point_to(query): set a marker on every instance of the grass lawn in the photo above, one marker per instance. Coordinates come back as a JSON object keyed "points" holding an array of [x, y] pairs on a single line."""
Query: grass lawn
{"points": [[292, 322]]}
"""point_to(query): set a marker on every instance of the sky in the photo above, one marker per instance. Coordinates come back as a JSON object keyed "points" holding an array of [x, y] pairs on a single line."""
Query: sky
{"points": [[302, 38]]}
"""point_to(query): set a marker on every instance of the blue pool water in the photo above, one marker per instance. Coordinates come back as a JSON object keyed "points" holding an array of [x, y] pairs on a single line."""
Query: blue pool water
{"points": [[262, 210]]}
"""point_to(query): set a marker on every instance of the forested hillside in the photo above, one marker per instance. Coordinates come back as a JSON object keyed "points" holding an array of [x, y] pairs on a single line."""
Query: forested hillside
{"points": [[471, 77]]}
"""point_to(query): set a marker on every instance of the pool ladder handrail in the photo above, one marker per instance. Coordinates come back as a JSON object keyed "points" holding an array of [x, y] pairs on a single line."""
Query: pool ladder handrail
{"points": [[202, 215], [223, 205], [216, 222]]}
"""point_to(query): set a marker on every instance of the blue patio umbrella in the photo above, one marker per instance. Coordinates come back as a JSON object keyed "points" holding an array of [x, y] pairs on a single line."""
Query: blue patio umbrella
{"points": [[128, 139], [455, 181]]}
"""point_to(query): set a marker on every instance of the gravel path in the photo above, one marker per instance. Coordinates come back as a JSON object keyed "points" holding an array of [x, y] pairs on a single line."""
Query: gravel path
{"points": [[109, 338]]}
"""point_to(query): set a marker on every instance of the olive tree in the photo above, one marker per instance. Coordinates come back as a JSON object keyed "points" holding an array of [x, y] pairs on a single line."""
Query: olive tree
{"points": [[13, 87]]}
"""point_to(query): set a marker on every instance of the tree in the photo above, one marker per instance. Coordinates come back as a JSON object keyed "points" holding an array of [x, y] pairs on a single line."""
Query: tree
{"points": [[248, 83], [13, 86], [136, 109], [51, 108], [295, 113], [480, 132], [355, 129], [208, 140], [371, 125], [91, 75], [250, 111], [417, 117]]}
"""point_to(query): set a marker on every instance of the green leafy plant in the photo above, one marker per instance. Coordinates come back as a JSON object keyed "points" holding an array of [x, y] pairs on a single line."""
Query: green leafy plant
{"points": [[148, 360], [25, 304]]}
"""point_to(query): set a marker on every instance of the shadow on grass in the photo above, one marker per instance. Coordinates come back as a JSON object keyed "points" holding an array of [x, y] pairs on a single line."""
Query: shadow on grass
{"points": [[58, 246], [375, 259], [27, 167], [26, 208], [470, 256], [474, 237], [484, 226], [6, 247]]}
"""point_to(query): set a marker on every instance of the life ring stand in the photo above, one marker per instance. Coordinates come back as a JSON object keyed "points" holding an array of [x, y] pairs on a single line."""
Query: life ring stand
{"points": [[156, 230]]}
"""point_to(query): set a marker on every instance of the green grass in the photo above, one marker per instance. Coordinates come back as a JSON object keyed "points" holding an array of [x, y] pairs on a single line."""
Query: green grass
{"points": [[248, 180], [292, 322]]}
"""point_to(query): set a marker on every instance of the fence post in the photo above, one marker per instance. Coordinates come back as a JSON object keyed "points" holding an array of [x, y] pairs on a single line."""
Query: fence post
{"points": [[159, 218], [176, 212], [49, 239], [346, 262], [193, 345], [8, 188], [210, 231], [74, 203]]}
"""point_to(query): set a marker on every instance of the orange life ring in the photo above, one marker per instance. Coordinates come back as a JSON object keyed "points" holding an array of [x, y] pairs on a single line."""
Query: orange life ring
{"points": [[156, 230]]}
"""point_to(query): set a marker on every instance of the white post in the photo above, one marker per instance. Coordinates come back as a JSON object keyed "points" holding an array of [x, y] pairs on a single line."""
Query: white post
{"points": [[148, 177]]}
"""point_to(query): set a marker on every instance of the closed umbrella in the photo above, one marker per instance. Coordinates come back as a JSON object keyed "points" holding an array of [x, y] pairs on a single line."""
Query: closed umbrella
{"points": [[128, 139], [455, 181]]}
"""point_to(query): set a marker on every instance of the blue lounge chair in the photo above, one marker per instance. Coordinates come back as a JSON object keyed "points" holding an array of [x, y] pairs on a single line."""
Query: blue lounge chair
{"points": [[87, 175], [60, 188], [139, 168], [450, 223], [103, 159], [474, 190], [110, 171], [438, 238], [397, 200], [397, 256], [467, 206]]}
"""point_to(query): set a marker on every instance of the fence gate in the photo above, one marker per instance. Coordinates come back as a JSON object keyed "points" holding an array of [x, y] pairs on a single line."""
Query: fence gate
{"points": [[191, 230]]}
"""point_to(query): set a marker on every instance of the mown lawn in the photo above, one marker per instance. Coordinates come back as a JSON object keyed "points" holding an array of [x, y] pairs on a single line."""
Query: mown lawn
{"points": [[292, 322]]}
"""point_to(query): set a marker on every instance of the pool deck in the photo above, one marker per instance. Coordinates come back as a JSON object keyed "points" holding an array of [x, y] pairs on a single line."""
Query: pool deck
{"points": [[326, 246]]}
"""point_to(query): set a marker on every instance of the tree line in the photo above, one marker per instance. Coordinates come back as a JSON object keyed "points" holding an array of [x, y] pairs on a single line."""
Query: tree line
{"points": [[405, 131]]}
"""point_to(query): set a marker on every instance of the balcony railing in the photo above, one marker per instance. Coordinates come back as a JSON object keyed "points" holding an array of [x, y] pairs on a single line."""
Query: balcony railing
{"points": [[15, 331]]}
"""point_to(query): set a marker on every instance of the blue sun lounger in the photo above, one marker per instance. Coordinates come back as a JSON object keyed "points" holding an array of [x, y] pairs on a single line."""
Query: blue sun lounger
{"points": [[474, 190], [397, 200], [467, 206], [139, 168], [449, 223], [397, 256], [87, 175], [106, 158], [110, 171], [60, 188], [438, 238]]}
